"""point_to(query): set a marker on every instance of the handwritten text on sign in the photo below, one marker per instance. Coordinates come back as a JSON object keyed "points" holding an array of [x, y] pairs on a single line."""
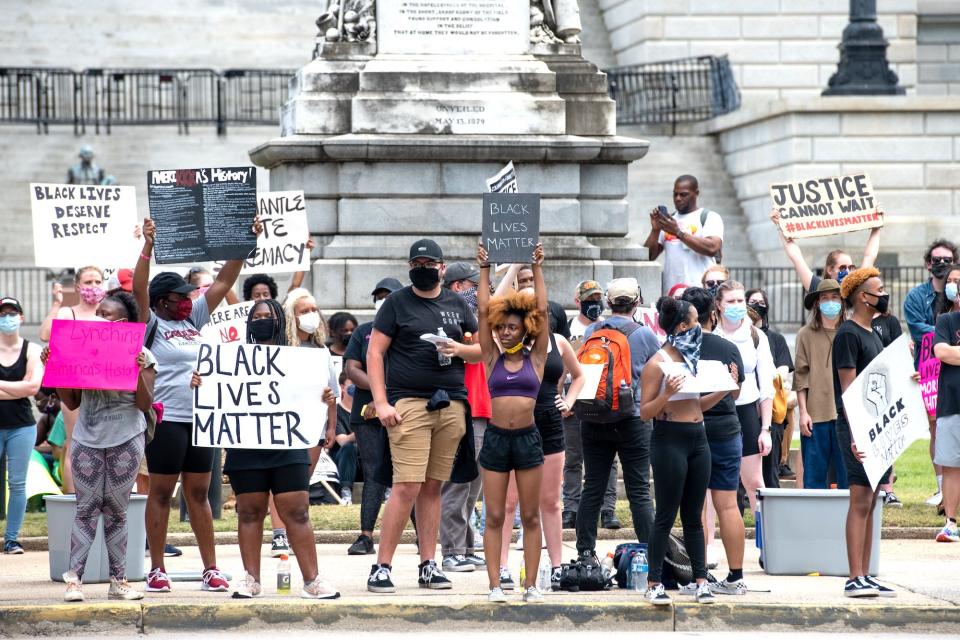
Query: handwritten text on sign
{"points": [[929, 368], [94, 355], [826, 206], [884, 409], [282, 247], [259, 397], [73, 222], [227, 324], [511, 226]]}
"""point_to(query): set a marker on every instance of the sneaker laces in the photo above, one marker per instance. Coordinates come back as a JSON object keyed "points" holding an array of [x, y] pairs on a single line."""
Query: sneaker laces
{"points": [[157, 574], [382, 573], [281, 541], [212, 573]]}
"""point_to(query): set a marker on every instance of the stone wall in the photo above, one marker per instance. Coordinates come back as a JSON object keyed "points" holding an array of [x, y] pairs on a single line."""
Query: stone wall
{"points": [[938, 53], [779, 48], [909, 146]]}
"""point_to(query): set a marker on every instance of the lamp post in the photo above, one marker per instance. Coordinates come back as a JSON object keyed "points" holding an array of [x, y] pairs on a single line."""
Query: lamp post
{"points": [[863, 69]]}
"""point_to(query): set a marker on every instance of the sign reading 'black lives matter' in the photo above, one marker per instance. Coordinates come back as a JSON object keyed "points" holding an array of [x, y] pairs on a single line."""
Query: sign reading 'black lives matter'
{"points": [[826, 206], [203, 214], [511, 226]]}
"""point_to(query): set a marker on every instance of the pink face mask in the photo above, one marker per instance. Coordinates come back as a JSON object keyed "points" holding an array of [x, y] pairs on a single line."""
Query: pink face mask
{"points": [[92, 295]]}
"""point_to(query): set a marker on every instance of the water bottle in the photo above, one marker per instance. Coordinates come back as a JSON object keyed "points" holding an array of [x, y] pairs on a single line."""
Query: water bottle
{"points": [[444, 360], [638, 572], [283, 575], [607, 566], [543, 575]]}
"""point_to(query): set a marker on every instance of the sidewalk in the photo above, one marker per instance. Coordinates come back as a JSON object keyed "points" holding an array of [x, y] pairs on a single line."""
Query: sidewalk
{"points": [[923, 572]]}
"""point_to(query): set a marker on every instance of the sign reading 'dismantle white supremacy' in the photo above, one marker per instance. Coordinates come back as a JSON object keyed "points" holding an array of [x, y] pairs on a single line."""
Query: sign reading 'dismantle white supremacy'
{"points": [[453, 27], [826, 206]]}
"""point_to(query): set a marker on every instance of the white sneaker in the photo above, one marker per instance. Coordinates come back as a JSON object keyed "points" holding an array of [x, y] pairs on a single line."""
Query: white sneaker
{"points": [[935, 499], [704, 595], [74, 591], [497, 595], [319, 589], [247, 587], [532, 594], [657, 595], [121, 590]]}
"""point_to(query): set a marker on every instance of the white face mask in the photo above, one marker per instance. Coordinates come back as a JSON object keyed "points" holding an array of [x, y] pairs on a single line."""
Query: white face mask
{"points": [[378, 304], [309, 322]]}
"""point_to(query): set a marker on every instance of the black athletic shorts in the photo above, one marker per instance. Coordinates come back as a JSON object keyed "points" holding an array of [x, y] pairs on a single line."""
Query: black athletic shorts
{"points": [[172, 451], [856, 474], [749, 416], [550, 425], [291, 477], [506, 450]]}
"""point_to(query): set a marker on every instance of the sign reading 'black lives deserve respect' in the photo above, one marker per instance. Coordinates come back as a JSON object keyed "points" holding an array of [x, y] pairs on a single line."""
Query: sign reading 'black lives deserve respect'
{"points": [[511, 226]]}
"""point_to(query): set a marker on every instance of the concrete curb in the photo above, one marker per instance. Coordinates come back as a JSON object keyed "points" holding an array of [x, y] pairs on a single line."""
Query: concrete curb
{"points": [[348, 536], [346, 615]]}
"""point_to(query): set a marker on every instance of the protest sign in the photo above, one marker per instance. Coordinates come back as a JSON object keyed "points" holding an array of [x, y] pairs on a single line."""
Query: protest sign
{"points": [[505, 181], [929, 368], [203, 214], [712, 375], [282, 247], [255, 396], [72, 223], [227, 324], [885, 409], [826, 206], [94, 355], [648, 317], [511, 226]]}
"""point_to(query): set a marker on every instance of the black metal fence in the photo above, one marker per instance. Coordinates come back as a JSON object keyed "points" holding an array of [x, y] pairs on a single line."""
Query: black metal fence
{"points": [[31, 286], [674, 91], [103, 98]]}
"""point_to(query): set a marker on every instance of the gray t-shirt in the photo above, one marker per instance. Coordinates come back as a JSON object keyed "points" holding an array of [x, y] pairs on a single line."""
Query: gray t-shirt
{"points": [[109, 418], [176, 346]]}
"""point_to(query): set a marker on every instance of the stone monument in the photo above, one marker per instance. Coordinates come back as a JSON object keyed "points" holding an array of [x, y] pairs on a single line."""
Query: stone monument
{"points": [[410, 105]]}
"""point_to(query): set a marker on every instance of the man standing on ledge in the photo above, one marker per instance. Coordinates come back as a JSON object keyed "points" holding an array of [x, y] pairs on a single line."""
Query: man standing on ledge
{"points": [[421, 400], [691, 239]]}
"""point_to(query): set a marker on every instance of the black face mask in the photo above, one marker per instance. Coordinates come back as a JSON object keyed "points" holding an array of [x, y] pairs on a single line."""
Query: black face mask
{"points": [[345, 338], [425, 278], [883, 302], [940, 270], [760, 309], [591, 309], [262, 330]]}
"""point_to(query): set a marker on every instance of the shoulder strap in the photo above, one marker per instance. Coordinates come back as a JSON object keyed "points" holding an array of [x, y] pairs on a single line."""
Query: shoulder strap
{"points": [[73, 313], [703, 216], [148, 343], [23, 350], [755, 336], [628, 328]]}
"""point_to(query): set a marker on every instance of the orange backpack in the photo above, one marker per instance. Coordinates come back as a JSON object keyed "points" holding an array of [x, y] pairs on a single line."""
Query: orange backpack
{"points": [[609, 346]]}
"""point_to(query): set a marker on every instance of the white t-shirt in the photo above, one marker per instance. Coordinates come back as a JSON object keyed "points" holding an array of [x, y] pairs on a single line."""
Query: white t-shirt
{"points": [[578, 328], [681, 264]]}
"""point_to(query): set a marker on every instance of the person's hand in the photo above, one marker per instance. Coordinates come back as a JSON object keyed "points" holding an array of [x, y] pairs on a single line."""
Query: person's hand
{"points": [[328, 398], [764, 442], [859, 455], [880, 211], [674, 383], [149, 232], [310, 244], [451, 348], [735, 373], [389, 417], [330, 438], [483, 258], [775, 217], [57, 291], [670, 226], [806, 424], [137, 231], [45, 355], [195, 380], [561, 404], [257, 227], [142, 361], [655, 220], [915, 376], [538, 254]]}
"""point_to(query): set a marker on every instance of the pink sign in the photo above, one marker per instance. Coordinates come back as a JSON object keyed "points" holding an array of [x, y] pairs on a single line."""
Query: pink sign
{"points": [[94, 355], [929, 368]]}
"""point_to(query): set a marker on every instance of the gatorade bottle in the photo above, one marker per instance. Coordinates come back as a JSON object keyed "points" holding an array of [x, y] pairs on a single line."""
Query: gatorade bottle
{"points": [[523, 573], [283, 575]]}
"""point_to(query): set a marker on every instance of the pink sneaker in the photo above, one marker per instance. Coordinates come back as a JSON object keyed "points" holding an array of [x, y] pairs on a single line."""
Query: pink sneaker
{"points": [[157, 580], [213, 580]]}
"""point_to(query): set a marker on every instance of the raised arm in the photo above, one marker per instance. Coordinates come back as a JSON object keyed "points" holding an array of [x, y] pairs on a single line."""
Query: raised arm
{"points": [[488, 348], [539, 353], [508, 279], [228, 276], [297, 280], [872, 250], [794, 254], [54, 312], [141, 273]]}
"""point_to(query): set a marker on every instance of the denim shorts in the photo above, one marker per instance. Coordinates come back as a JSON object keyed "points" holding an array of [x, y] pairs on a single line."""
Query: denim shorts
{"points": [[506, 450], [725, 456]]}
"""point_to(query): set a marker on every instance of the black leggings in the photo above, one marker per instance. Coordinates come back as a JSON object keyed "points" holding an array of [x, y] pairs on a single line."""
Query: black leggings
{"points": [[370, 442], [681, 471]]}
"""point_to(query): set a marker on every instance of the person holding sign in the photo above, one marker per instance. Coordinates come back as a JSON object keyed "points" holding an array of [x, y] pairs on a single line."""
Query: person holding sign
{"points": [[108, 442], [854, 346], [173, 336], [946, 348], [511, 442], [284, 473]]}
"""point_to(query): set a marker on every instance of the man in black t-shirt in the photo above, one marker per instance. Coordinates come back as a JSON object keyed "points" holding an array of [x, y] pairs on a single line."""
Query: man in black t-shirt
{"points": [[421, 400], [855, 345]]}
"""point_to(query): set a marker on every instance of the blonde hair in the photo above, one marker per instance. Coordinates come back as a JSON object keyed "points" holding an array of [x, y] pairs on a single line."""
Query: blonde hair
{"points": [[521, 303], [293, 297], [715, 267], [83, 270]]}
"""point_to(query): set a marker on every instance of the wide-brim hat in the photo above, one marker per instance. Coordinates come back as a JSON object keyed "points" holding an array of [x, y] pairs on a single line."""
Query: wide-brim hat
{"points": [[825, 286]]}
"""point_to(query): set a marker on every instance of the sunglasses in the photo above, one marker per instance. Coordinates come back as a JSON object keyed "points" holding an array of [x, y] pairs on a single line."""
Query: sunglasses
{"points": [[713, 284], [941, 260], [846, 267]]}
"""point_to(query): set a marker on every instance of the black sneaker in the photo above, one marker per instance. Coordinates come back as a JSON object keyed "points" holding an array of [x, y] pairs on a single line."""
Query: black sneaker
{"points": [[786, 473], [885, 592], [857, 588], [379, 580], [608, 520], [12, 548], [589, 557], [458, 563], [476, 561], [506, 580], [431, 577], [555, 574], [362, 546], [280, 546], [569, 520], [170, 551]]}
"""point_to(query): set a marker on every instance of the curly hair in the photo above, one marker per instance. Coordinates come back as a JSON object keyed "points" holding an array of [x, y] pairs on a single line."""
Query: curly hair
{"points": [[129, 304], [254, 280], [855, 280], [519, 303], [319, 337]]}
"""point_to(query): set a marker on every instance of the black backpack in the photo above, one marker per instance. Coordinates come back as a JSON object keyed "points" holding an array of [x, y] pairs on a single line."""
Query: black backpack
{"points": [[583, 576]]}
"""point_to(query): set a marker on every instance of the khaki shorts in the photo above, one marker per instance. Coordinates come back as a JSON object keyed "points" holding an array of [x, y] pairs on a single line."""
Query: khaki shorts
{"points": [[425, 443]]}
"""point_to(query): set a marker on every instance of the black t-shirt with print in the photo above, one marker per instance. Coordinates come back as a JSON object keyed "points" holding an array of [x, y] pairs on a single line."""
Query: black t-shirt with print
{"points": [[888, 328], [853, 348], [948, 387], [721, 420], [415, 370]]}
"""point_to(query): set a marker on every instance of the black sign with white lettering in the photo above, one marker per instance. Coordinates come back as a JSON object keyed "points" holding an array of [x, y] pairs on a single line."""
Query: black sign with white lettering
{"points": [[203, 214], [511, 226]]}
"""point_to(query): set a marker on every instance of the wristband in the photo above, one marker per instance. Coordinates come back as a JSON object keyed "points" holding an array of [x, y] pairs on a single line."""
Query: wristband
{"points": [[144, 256]]}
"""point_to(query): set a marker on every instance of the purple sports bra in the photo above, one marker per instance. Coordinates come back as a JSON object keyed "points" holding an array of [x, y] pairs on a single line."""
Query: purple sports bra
{"points": [[523, 383]]}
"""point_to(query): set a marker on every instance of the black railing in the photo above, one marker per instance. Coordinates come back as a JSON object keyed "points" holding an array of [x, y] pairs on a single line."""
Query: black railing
{"points": [[674, 91], [103, 98], [31, 286]]}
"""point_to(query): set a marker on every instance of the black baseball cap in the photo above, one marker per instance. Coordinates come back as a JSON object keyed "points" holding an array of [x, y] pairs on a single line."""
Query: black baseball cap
{"points": [[11, 302], [426, 248], [387, 284], [168, 282], [461, 271]]}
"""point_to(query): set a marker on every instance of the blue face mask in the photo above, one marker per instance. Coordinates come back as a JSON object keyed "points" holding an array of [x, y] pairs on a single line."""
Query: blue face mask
{"points": [[9, 324], [352, 390], [841, 275], [735, 312], [951, 291], [830, 309]]}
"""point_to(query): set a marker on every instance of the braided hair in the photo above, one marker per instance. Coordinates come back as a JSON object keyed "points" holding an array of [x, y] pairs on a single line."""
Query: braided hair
{"points": [[279, 322]]}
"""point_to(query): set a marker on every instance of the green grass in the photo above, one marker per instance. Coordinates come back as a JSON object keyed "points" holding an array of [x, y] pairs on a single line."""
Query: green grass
{"points": [[915, 483]]}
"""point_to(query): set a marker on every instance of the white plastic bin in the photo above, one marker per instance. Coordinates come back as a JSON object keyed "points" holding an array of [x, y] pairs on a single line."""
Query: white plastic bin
{"points": [[804, 531], [60, 514]]}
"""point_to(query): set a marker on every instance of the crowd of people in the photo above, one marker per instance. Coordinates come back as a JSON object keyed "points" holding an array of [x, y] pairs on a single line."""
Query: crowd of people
{"points": [[492, 406]]}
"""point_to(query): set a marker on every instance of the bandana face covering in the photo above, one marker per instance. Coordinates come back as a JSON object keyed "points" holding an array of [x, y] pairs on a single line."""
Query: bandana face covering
{"points": [[688, 344], [591, 309], [470, 297]]}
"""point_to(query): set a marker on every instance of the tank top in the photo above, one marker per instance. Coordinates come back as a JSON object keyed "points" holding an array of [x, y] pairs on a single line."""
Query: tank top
{"points": [[16, 413], [552, 371], [523, 383]]}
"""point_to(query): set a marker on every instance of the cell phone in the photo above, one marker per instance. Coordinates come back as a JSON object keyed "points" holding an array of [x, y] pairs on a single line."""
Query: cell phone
{"points": [[662, 210]]}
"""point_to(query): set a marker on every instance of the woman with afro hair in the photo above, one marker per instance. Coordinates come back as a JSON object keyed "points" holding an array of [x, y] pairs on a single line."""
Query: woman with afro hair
{"points": [[511, 441]]}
